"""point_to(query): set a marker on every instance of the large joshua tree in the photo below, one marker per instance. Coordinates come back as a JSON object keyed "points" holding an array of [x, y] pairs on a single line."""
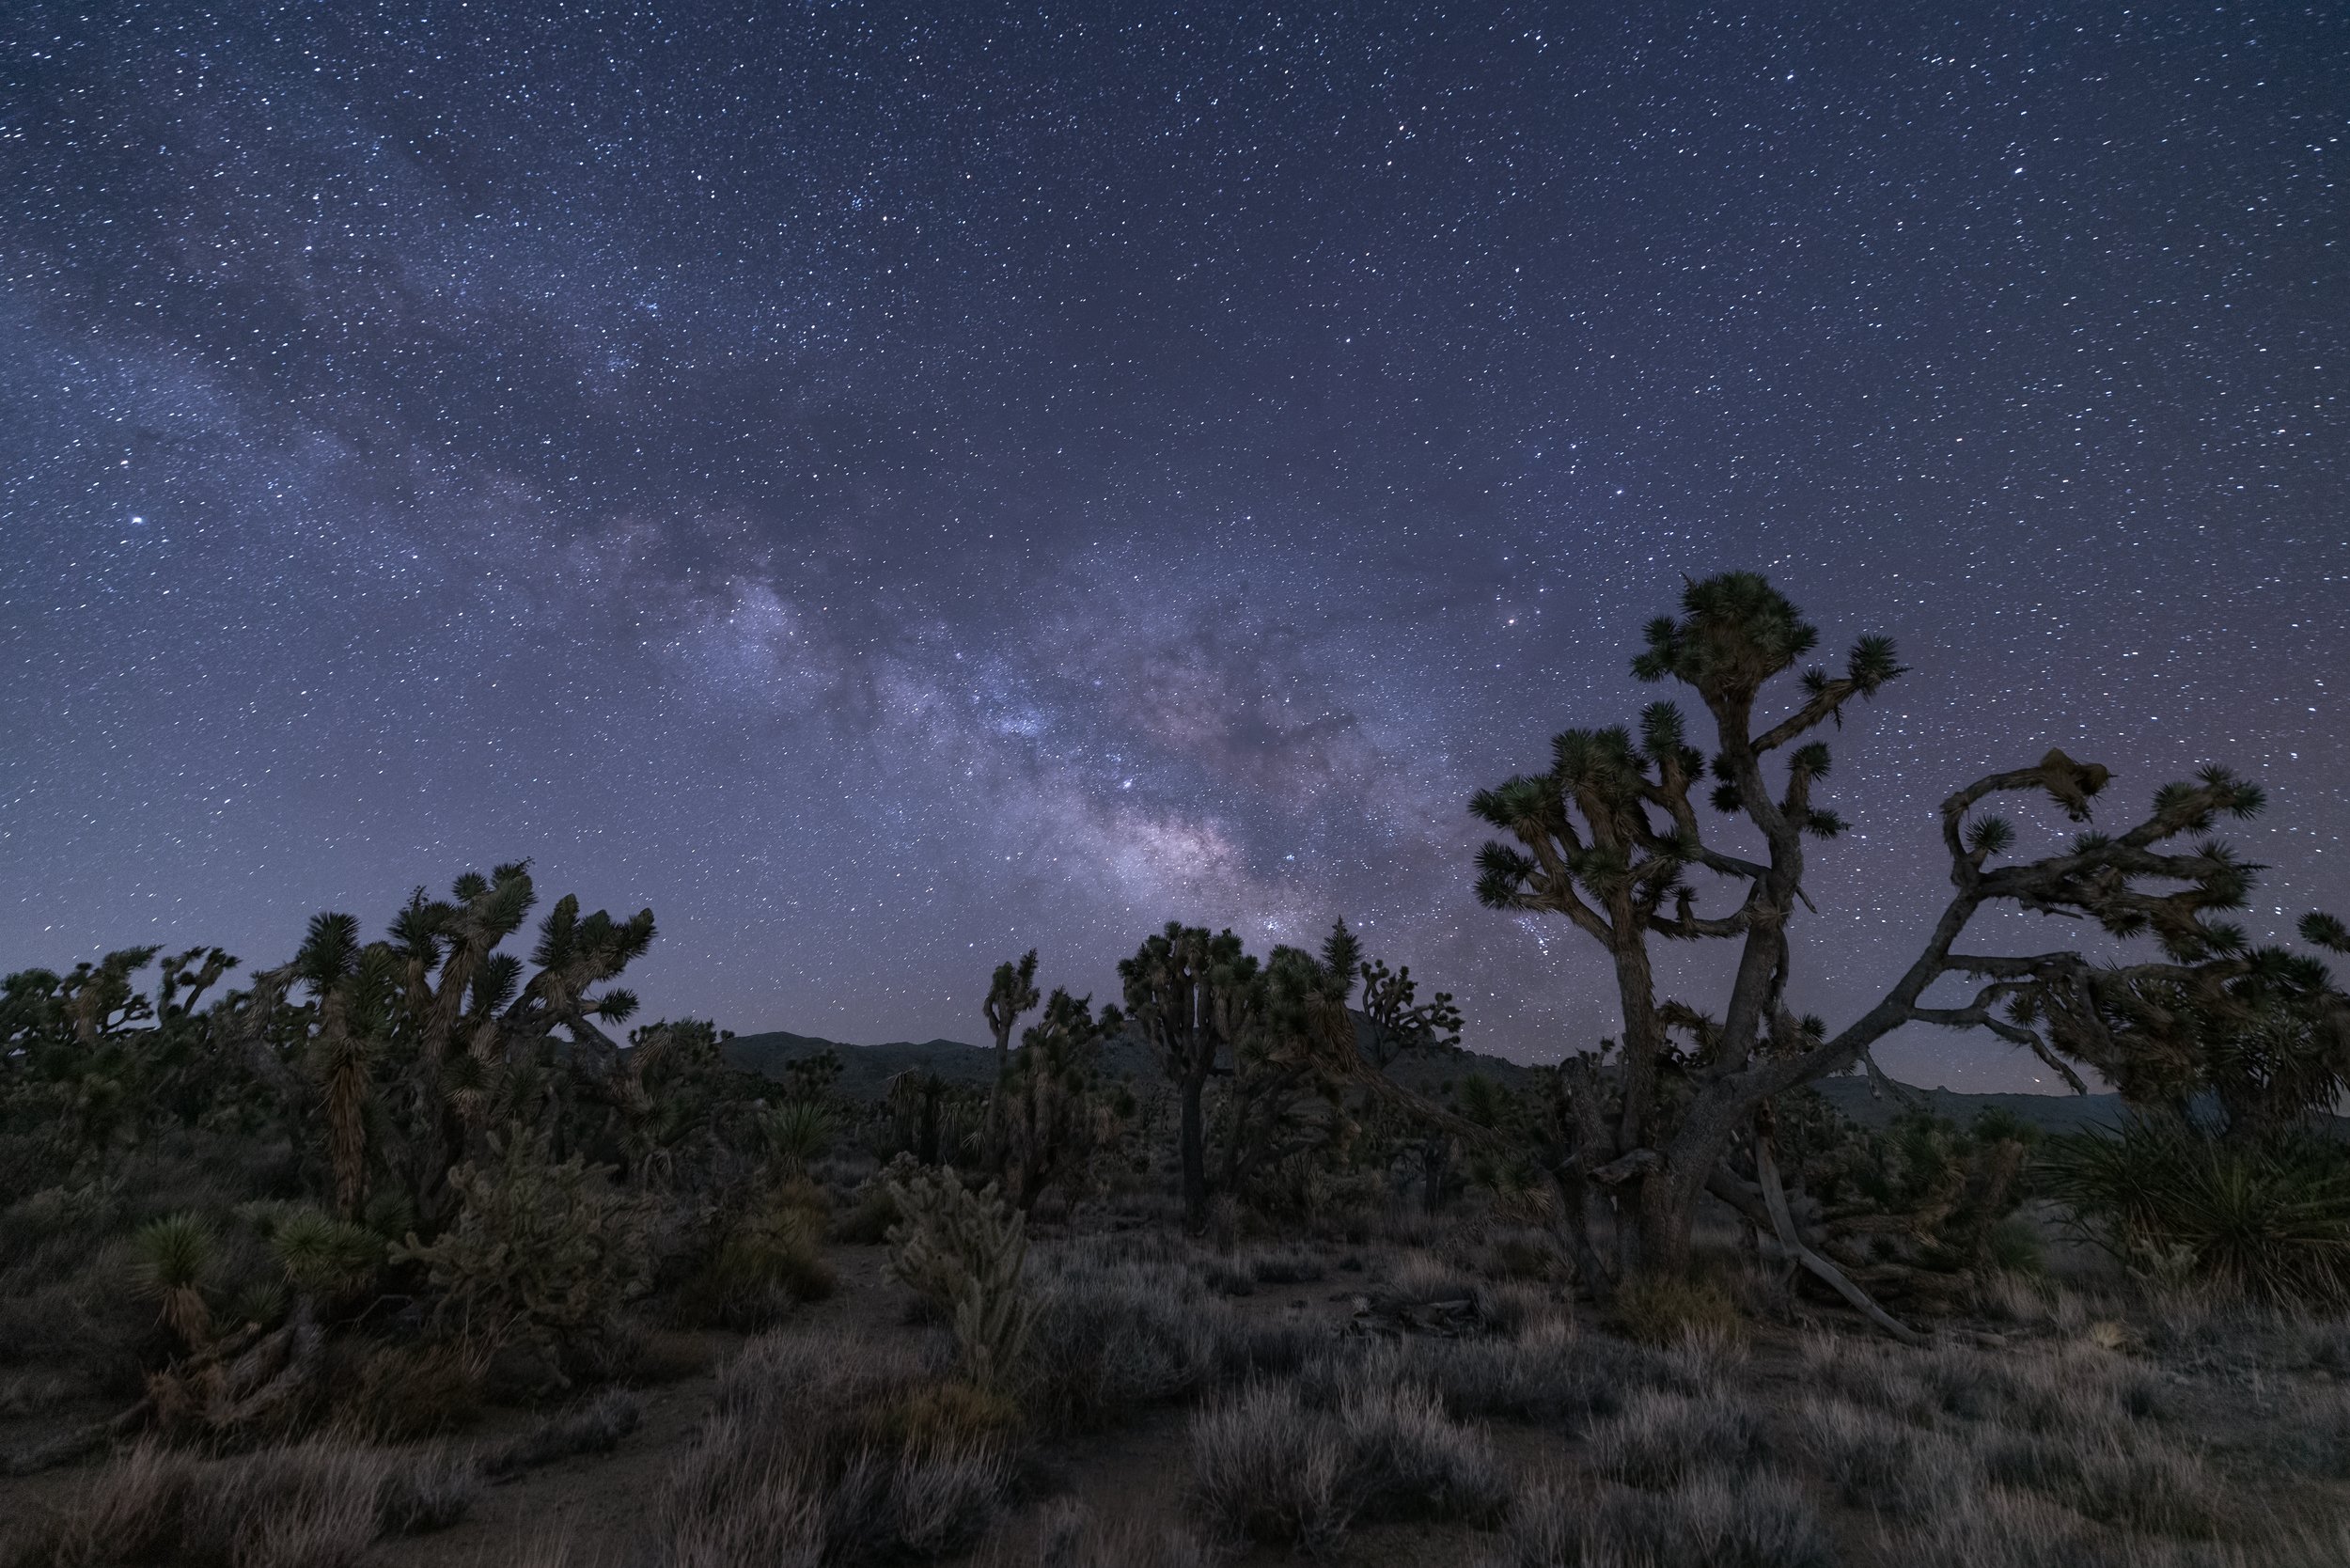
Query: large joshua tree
{"points": [[1010, 994], [408, 1049], [1609, 838], [1189, 993]]}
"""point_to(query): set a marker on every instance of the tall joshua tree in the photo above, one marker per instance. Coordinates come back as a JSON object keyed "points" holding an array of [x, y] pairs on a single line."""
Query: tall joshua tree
{"points": [[1609, 837], [1010, 994], [412, 1045], [1189, 994]]}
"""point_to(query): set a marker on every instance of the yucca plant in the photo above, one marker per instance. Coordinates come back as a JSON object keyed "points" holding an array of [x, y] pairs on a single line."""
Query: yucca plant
{"points": [[2268, 1219], [796, 1132], [173, 1254], [326, 1257]]}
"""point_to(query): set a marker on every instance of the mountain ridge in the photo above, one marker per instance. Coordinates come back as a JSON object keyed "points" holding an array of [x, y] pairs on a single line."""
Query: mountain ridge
{"points": [[865, 1070]]}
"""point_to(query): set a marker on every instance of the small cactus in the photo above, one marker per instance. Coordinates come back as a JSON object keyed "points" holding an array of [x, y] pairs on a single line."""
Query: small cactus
{"points": [[963, 1251]]}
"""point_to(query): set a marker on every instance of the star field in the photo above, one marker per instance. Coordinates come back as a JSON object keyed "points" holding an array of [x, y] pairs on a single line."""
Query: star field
{"points": [[889, 490]]}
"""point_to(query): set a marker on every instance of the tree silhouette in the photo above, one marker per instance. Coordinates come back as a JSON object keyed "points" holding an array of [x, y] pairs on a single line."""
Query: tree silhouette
{"points": [[1608, 838], [1010, 994], [1188, 993]]}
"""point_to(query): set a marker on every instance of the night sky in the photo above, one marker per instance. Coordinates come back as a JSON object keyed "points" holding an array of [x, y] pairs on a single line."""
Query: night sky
{"points": [[888, 490]]}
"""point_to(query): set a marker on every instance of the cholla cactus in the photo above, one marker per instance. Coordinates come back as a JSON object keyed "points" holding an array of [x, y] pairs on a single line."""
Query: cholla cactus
{"points": [[541, 1251], [962, 1251]]}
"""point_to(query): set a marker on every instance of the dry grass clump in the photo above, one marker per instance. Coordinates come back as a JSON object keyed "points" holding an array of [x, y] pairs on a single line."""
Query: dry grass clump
{"points": [[1662, 1439], [1654, 1310], [1228, 1276], [1422, 1278], [1552, 1373], [1073, 1537], [1117, 1333], [1754, 1521], [1287, 1266], [318, 1504], [812, 1456], [763, 1262], [2015, 1529], [394, 1393], [1269, 1465], [33, 1393], [1126, 1322], [2137, 1487], [594, 1426], [1881, 1464], [2005, 1434], [2071, 1389]]}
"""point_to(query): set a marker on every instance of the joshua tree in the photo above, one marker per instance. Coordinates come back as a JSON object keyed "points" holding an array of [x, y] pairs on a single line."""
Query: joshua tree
{"points": [[1608, 836], [1398, 1022], [1188, 993], [1285, 1097], [92, 1057], [1010, 994], [416, 1047], [1055, 1119]]}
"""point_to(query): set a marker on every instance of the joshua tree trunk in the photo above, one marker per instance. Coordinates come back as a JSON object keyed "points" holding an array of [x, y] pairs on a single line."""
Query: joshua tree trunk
{"points": [[1194, 1144]]}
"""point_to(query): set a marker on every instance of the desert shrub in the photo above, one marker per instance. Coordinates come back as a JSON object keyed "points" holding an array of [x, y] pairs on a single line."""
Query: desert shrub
{"points": [[950, 1414], [34, 1393], [541, 1251], [1513, 1307], [1528, 1256], [1756, 1521], [1228, 1276], [1922, 1212], [426, 1492], [810, 1457], [1117, 1332], [2317, 1441], [1409, 1460], [2267, 1218], [1662, 1310], [394, 1392], [1287, 1267], [2076, 1391], [963, 1251], [1266, 1468], [594, 1426], [1420, 1278], [1703, 1356], [1074, 1538], [72, 1213], [1883, 1465], [764, 1260], [314, 1505], [1551, 1375], [870, 1214], [1661, 1439], [2140, 1486], [1269, 1465]]}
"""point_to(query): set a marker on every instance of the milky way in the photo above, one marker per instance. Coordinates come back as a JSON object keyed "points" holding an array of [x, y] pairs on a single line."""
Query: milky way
{"points": [[888, 491]]}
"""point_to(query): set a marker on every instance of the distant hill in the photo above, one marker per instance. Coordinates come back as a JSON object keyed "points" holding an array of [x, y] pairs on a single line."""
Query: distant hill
{"points": [[2050, 1113], [866, 1068]]}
